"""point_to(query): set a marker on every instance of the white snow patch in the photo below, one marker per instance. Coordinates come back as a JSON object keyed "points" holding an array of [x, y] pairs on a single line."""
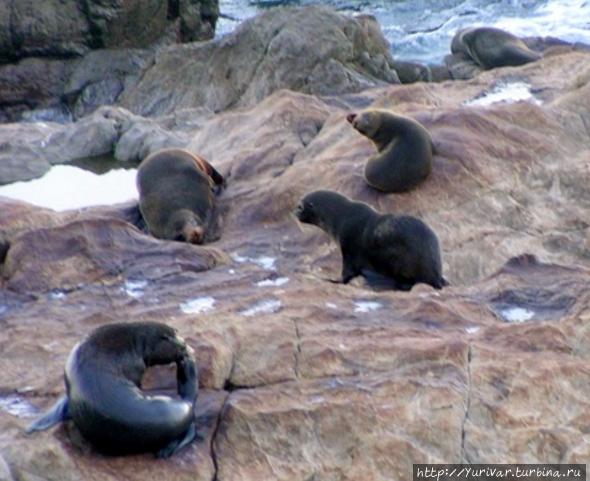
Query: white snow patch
{"points": [[505, 92], [517, 314], [17, 406], [263, 307], [57, 294], [265, 262], [135, 288], [198, 305], [279, 281], [366, 306]]}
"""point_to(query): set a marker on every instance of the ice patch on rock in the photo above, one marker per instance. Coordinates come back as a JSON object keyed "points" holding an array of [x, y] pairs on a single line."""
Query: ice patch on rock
{"points": [[57, 294], [17, 406], [267, 306], [198, 305], [135, 288], [366, 306], [265, 262], [517, 314], [471, 329], [507, 92], [279, 281]]}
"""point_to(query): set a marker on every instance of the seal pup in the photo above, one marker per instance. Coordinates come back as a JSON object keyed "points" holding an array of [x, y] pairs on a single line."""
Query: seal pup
{"points": [[176, 195], [404, 150], [402, 249], [491, 47], [103, 396]]}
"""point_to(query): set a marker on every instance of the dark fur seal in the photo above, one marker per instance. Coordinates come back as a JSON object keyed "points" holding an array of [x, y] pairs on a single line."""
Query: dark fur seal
{"points": [[176, 195], [103, 398], [401, 248], [492, 47], [404, 157]]}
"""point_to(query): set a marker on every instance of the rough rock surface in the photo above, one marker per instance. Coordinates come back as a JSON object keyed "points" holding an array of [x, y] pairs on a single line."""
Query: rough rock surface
{"points": [[305, 379], [28, 150], [65, 28], [312, 50], [78, 55]]}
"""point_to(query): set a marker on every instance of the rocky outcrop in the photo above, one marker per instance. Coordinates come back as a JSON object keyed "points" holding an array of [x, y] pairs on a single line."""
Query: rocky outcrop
{"points": [[306, 379], [28, 150], [58, 28], [312, 50], [42, 42]]}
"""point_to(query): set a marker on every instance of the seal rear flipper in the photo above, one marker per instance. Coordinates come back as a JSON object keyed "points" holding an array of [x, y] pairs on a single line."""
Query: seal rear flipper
{"points": [[57, 414], [178, 444]]}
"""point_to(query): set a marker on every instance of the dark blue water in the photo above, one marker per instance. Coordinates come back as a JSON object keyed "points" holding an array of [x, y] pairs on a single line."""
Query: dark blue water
{"points": [[421, 30]]}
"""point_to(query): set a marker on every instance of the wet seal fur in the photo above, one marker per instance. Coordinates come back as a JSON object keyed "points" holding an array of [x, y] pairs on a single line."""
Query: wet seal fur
{"points": [[492, 47], [177, 195], [404, 146], [395, 251], [103, 398]]}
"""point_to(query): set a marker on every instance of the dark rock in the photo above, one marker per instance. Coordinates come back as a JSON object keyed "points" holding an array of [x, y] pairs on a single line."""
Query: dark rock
{"points": [[32, 83]]}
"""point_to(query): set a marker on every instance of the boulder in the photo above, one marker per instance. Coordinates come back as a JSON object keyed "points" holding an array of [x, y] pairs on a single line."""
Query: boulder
{"points": [[312, 50]]}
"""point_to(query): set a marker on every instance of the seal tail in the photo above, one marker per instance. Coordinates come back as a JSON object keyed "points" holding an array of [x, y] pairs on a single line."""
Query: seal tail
{"points": [[58, 413]]}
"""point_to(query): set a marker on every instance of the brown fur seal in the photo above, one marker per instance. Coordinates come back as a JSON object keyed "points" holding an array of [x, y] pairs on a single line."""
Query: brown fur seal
{"points": [[404, 157], [492, 47], [176, 195], [103, 398], [402, 249]]}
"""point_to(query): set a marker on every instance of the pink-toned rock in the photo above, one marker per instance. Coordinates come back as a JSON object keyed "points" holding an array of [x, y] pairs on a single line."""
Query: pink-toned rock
{"points": [[307, 379]]}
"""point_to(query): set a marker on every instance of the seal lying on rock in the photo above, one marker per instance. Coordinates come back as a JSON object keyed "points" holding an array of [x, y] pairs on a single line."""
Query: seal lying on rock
{"points": [[176, 195], [401, 248], [491, 47], [404, 146], [103, 398]]}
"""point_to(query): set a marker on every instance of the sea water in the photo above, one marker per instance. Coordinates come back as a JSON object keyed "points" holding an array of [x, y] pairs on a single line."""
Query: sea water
{"points": [[421, 30]]}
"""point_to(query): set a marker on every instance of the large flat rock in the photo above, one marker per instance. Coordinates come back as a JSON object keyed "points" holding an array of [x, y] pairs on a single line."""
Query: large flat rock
{"points": [[306, 379]]}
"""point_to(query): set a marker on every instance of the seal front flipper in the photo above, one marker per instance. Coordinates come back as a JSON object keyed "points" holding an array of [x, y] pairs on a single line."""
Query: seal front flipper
{"points": [[187, 379], [58, 413], [178, 444], [348, 273]]}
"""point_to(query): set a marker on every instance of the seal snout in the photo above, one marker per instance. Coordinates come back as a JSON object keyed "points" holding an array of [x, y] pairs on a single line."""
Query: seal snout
{"points": [[194, 235], [299, 211], [350, 117]]}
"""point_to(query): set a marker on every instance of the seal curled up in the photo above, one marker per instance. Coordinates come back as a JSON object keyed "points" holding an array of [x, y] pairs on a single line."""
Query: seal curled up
{"points": [[404, 150], [103, 396]]}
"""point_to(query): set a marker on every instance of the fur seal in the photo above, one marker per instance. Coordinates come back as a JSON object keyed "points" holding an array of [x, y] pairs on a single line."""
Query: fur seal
{"points": [[402, 249], [176, 195], [102, 376], [404, 157], [491, 47]]}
